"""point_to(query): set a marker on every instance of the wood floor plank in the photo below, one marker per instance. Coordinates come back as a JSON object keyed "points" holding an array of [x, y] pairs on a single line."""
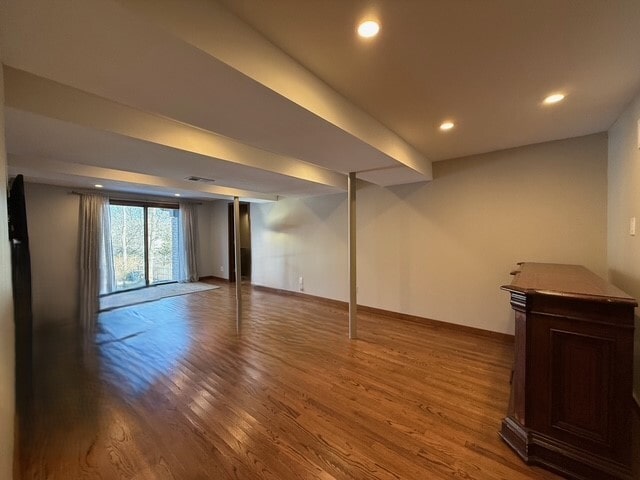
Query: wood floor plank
{"points": [[172, 391]]}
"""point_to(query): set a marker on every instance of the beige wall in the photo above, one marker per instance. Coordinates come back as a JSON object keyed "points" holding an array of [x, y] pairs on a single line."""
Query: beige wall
{"points": [[220, 237], [623, 250], [203, 245], [441, 250], [7, 356], [213, 256], [301, 237], [52, 218]]}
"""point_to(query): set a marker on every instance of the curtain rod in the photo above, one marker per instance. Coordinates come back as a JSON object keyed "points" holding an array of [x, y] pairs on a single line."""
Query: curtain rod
{"points": [[136, 197]]}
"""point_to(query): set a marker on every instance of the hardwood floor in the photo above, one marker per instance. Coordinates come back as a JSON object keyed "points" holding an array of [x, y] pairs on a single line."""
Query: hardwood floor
{"points": [[172, 391]]}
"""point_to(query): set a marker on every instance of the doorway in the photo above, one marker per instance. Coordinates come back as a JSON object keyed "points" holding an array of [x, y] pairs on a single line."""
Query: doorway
{"points": [[245, 243]]}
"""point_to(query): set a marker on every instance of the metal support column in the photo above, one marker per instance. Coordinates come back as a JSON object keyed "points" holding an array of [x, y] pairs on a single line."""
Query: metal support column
{"points": [[238, 263], [353, 300]]}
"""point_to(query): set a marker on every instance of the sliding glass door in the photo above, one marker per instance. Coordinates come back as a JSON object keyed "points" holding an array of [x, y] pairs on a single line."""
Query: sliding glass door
{"points": [[127, 242], [144, 240], [162, 244]]}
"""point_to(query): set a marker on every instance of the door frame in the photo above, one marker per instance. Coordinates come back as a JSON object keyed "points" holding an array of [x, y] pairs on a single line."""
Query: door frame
{"points": [[244, 207]]}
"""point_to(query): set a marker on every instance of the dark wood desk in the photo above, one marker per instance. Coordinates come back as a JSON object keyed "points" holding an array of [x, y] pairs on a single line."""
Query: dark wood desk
{"points": [[571, 400]]}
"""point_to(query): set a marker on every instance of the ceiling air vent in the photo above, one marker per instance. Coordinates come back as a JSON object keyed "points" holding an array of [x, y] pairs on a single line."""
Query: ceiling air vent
{"points": [[200, 179]]}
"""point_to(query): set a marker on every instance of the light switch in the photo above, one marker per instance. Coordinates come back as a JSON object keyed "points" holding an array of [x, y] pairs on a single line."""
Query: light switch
{"points": [[632, 226]]}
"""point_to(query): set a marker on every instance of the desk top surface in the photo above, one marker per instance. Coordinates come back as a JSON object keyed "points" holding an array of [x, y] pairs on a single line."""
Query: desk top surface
{"points": [[565, 280]]}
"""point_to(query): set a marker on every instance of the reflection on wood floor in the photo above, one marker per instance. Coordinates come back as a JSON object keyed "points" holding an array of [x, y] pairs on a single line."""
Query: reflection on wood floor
{"points": [[173, 392]]}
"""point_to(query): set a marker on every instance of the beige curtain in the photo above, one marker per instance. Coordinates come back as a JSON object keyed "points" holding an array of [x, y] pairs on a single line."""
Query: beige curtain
{"points": [[107, 268], [93, 232], [188, 270]]}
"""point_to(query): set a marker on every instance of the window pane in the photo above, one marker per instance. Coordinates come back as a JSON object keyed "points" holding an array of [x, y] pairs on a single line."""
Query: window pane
{"points": [[127, 239], [163, 242]]}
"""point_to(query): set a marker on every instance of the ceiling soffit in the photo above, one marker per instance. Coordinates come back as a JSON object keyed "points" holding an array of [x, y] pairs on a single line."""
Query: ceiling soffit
{"points": [[299, 113]]}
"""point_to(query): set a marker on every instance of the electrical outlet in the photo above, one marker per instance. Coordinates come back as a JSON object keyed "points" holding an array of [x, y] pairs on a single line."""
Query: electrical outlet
{"points": [[221, 268], [632, 226], [301, 283]]}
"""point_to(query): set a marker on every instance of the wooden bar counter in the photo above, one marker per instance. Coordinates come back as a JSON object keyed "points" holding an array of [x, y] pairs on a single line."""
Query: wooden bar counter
{"points": [[571, 400]]}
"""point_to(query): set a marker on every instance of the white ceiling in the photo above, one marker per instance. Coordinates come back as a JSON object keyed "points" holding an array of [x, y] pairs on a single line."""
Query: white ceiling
{"points": [[160, 90], [487, 65]]}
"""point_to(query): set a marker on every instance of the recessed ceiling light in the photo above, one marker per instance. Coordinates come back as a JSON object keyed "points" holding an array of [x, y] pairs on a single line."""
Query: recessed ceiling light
{"points": [[555, 98], [176, 194], [446, 126], [368, 29], [97, 185]]}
